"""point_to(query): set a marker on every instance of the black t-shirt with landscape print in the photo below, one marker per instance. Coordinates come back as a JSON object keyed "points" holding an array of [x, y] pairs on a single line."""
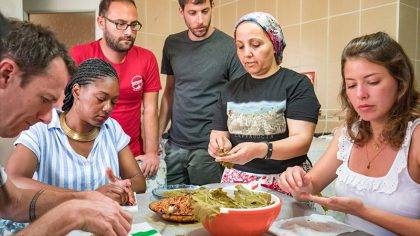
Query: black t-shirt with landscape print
{"points": [[255, 110]]}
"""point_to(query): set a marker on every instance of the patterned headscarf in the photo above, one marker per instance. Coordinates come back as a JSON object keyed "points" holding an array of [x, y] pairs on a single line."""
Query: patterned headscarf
{"points": [[270, 25]]}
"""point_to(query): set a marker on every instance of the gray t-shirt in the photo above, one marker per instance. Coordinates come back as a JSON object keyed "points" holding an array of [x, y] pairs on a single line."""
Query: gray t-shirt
{"points": [[201, 69], [3, 176]]}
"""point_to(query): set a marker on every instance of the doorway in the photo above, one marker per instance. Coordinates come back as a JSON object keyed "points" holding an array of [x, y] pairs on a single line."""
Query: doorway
{"points": [[71, 28]]}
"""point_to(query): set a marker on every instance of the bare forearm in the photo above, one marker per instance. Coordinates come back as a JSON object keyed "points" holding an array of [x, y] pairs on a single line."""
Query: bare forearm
{"points": [[151, 131], [138, 184], [52, 223], [17, 201], [165, 113], [28, 183], [291, 147], [10, 199], [395, 223]]}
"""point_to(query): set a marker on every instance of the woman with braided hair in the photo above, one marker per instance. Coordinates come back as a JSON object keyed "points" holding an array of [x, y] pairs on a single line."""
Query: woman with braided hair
{"points": [[81, 143]]}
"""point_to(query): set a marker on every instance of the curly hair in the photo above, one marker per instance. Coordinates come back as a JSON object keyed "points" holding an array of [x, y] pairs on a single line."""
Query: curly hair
{"points": [[87, 72], [182, 3], [32, 48], [381, 49], [104, 5]]}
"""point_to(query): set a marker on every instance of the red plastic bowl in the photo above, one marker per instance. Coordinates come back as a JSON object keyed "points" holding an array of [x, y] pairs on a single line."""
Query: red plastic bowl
{"points": [[255, 221]]}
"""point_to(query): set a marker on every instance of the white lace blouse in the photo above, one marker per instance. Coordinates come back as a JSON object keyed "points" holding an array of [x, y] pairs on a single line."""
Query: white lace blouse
{"points": [[396, 192]]}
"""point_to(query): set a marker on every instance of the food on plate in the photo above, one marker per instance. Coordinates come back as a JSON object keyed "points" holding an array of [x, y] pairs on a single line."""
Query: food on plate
{"points": [[179, 218], [196, 205], [207, 202], [176, 208]]}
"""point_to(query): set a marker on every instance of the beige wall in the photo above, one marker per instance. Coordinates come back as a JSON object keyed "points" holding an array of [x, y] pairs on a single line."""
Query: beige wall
{"points": [[418, 47], [49, 6], [316, 31], [409, 32], [12, 8], [71, 28]]}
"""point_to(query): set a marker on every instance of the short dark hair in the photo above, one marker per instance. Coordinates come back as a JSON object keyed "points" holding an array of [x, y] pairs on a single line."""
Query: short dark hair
{"points": [[182, 3], [32, 48], [104, 5], [87, 72]]}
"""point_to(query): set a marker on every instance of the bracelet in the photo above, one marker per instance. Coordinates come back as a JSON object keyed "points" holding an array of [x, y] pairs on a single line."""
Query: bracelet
{"points": [[32, 215], [269, 150], [132, 177]]}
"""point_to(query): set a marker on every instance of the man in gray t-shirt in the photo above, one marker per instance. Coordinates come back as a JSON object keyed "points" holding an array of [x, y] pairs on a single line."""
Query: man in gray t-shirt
{"points": [[198, 62]]}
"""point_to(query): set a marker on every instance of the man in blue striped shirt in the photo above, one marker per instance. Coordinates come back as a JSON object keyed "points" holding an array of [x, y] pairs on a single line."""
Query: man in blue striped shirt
{"points": [[32, 77]]}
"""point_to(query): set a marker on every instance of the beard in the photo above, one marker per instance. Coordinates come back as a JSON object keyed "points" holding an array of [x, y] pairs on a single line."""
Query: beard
{"points": [[201, 31], [116, 44]]}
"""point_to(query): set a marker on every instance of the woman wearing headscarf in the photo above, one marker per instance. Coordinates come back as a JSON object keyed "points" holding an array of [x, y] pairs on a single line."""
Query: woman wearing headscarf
{"points": [[265, 120]]}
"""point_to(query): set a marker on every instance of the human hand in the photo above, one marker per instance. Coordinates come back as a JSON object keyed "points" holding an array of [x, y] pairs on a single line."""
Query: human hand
{"points": [[297, 182], [244, 152], [98, 217], [128, 196], [115, 192], [124, 183], [93, 196], [218, 143], [343, 204], [149, 164]]}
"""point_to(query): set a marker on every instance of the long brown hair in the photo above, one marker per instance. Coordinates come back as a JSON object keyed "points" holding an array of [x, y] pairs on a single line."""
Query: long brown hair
{"points": [[381, 49]]}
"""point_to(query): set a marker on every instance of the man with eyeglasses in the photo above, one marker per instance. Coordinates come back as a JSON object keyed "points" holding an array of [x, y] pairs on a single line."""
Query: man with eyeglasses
{"points": [[138, 73]]}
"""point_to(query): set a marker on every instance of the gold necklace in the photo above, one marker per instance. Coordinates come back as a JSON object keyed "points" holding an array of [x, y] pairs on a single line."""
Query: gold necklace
{"points": [[82, 137], [378, 148]]}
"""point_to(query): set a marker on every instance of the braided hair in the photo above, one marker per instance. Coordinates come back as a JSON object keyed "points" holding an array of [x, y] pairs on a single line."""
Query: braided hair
{"points": [[87, 72]]}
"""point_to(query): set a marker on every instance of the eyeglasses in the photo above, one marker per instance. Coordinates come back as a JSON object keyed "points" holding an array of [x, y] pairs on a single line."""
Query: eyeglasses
{"points": [[122, 25]]}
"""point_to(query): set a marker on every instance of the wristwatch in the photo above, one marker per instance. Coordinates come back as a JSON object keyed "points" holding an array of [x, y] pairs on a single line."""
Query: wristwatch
{"points": [[269, 150]]}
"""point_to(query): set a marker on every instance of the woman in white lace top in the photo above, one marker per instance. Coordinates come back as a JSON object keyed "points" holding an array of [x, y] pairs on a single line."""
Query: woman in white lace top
{"points": [[375, 156]]}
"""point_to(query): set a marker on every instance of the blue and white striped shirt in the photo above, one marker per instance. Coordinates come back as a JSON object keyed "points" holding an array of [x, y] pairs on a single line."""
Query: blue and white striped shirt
{"points": [[59, 165]]}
